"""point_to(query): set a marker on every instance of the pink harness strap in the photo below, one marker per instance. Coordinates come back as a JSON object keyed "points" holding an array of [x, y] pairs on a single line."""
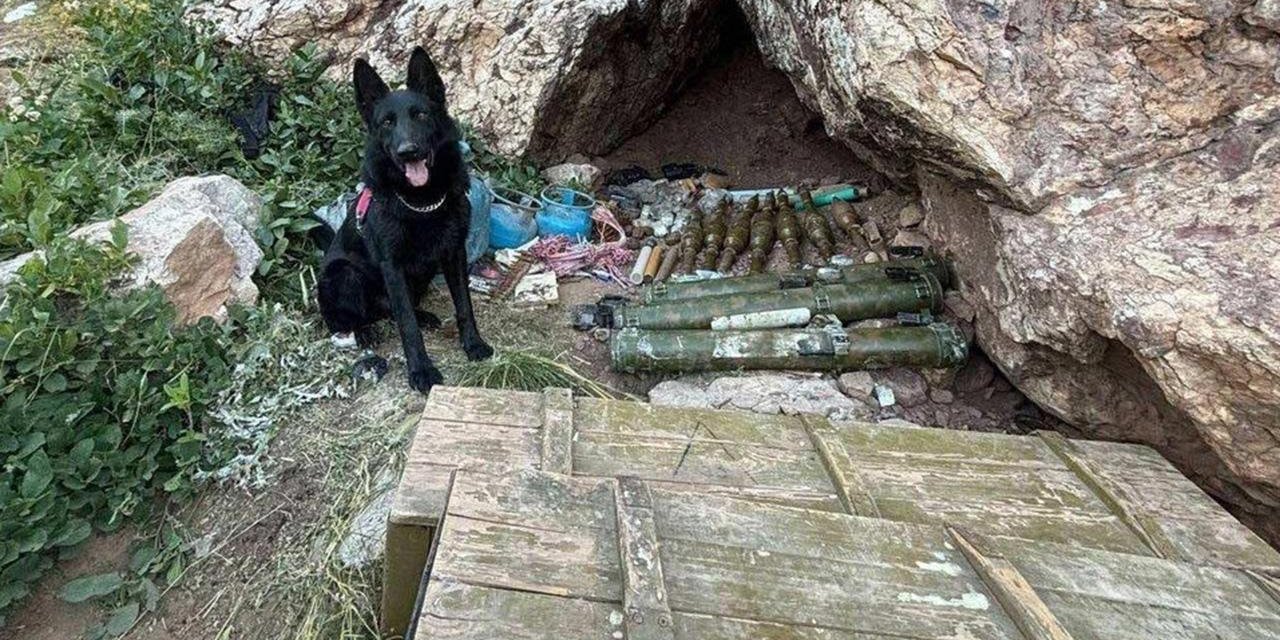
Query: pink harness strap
{"points": [[362, 205]]}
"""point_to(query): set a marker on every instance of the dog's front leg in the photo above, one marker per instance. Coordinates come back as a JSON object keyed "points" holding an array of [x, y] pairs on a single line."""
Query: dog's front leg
{"points": [[422, 373], [455, 274]]}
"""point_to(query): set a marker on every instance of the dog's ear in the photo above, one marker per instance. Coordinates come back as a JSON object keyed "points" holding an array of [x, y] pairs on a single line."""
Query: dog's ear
{"points": [[423, 76], [369, 89]]}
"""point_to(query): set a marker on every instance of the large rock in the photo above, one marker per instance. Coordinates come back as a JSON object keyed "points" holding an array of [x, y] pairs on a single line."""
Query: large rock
{"points": [[546, 78], [194, 240], [1105, 177]]}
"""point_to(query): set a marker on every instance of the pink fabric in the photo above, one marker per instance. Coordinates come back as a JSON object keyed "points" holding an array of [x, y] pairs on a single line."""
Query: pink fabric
{"points": [[362, 205]]}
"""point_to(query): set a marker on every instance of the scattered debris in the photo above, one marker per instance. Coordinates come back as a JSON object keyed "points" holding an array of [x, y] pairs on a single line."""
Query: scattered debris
{"points": [[576, 174], [254, 124], [536, 291], [884, 395], [20, 12]]}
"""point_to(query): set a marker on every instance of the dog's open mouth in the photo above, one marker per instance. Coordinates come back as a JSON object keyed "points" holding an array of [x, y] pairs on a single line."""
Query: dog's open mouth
{"points": [[417, 172]]}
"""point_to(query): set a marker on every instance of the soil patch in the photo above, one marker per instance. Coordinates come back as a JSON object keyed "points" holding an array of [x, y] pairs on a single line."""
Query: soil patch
{"points": [[744, 118]]}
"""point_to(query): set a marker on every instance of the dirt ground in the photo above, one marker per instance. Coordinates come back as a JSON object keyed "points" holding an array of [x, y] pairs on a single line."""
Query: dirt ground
{"points": [[745, 119]]}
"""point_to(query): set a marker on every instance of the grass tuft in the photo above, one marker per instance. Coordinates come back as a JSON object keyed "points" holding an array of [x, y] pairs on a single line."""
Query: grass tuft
{"points": [[527, 371]]}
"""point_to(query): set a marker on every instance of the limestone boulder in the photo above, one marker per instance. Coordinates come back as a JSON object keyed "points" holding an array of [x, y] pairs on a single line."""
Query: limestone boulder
{"points": [[545, 78], [1104, 176], [194, 240]]}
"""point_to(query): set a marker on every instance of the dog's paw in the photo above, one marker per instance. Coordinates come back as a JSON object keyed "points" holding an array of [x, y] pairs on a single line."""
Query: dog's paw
{"points": [[477, 350], [427, 320], [423, 379]]}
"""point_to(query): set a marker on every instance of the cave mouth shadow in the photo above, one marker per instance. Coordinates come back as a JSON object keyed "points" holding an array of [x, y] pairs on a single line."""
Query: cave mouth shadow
{"points": [[735, 113]]}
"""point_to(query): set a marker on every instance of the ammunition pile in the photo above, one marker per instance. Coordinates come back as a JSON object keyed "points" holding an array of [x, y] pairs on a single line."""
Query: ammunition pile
{"points": [[792, 320]]}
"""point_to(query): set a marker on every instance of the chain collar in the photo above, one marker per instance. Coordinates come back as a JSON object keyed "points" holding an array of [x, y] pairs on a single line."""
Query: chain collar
{"points": [[426, 209]]}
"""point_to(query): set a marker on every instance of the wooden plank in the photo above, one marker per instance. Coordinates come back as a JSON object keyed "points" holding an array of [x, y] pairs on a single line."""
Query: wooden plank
{"points": [[995, 484], [967, 447], [608, 455], [1163, 500], [841, 467], [1151, 536], [879, 597], [441, 447], [1017, 597], [484, 406], [1099, 594], [818, 500], [685, 424], [557, 431], [532, 531], [455, 610], [644, 594]]}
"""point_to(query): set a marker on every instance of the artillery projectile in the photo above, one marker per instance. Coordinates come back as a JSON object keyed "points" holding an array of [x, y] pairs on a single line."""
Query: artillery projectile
{"points": [[824, 349], [651, 267], [914, 292], [690, 242], [762, 234], [713, 235], [816, 228], [735, 239], [661, 294], [847, 220], [789, 232], [669, 260]]}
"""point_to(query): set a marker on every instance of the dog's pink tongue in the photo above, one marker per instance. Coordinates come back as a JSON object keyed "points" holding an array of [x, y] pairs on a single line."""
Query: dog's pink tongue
{"points": [[416, 173]]}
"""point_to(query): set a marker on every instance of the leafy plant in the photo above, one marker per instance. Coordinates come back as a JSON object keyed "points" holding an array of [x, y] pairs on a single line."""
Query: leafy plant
{"points": [[146, 98], [102, 401]]}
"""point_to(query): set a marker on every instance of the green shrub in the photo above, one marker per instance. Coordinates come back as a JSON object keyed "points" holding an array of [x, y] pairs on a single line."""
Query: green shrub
{"points": [[102, 401], [146, 98]]}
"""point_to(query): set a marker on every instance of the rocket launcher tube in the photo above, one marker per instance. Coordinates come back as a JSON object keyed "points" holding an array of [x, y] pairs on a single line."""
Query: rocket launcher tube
{"points": [[674, 291], [938, 345], [877, 299]]}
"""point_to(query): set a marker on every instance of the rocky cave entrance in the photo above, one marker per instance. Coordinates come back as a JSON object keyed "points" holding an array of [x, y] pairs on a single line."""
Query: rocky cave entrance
{"points": [[738, 115]]}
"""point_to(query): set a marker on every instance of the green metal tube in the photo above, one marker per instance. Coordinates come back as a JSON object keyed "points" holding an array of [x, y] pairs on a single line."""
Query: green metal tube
{"points": [[938, 345], [869, 299], [675, 291]]}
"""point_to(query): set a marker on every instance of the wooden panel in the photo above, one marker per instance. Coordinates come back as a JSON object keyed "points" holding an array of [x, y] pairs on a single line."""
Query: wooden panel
{"points": [[454, 610], [540, 555], [841, 467], [557, 431], [419, 497], [994, 484], [698, 425], [480, 406], [530, 531], [1172, 506], [644, 593], [1095, 594], [693, 462]]}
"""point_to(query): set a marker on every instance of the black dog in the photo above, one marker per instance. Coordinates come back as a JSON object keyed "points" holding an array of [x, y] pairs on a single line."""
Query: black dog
{"points": [[410, 223]]}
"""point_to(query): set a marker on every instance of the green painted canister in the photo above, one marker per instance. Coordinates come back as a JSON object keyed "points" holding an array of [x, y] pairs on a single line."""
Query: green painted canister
{"points": [[937, 345], [882, 298]]}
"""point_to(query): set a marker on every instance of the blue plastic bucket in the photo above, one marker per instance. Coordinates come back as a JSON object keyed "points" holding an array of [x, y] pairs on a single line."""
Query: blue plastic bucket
{"points": [[565, 212], [481, 197], [512, 218]]}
